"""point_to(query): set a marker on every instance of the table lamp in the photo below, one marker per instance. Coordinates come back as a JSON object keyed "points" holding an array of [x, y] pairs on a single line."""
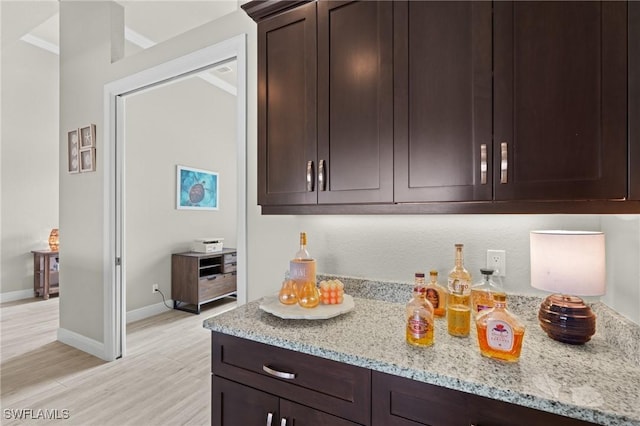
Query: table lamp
{"points": [[54, 243], [569, 264]]}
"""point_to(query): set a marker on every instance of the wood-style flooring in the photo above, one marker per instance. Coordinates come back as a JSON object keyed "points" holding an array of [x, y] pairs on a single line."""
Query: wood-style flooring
{"points": [[163, 380]]}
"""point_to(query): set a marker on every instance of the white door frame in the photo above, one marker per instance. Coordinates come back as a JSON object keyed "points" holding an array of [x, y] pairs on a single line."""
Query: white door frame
{"points": [[114, 314]]}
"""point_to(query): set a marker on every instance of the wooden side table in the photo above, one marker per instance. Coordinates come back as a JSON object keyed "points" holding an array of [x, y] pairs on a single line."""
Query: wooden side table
{"points": [[199, 278], [45, 280]]}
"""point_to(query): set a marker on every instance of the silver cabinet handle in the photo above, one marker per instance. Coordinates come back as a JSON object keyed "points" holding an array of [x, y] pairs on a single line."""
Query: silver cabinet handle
{"points": [[269, 418], [322, 183], [504, 164], [310, 178], [283, 422], [483, 164], [279, 374]]}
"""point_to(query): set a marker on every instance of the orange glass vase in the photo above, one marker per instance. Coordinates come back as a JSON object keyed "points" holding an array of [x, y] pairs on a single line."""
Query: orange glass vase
{"points": [[53, 240]]}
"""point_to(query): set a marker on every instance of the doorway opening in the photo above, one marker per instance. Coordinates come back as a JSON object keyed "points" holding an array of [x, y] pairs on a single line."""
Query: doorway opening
{"points": [[201, 124]]}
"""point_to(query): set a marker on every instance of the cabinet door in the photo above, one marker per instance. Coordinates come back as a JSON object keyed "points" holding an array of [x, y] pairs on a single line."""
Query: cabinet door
{"points": [[397, 401], [300, 415], [287, 107], [560, 71], [442, 101], [355, 101], [234, 404], [634, 99]]}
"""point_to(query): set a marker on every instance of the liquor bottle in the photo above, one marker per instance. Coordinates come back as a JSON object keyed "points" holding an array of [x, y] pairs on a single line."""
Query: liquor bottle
{"points": [[458, 300], [500, 333], [482, 293], [303, 253], [437, 295], [419, 315], [302, 270]]}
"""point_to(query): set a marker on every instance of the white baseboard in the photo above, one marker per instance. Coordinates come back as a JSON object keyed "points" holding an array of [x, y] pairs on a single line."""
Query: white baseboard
{"points": [[147, 311], [11, 296], [82, 343]]}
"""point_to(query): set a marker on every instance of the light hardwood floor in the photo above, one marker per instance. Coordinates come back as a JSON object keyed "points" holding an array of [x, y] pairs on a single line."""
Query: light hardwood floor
{"points": [[163, 380]]}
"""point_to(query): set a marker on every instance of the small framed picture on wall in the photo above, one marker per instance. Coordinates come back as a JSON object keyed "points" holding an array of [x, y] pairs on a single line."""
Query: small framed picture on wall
{"points": [[73, 151], [88, 136], [88, 160]]}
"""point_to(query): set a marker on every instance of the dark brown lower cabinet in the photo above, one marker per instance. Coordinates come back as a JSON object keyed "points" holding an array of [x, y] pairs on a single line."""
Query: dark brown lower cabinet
{"points": [[252, 380], [236, 404], [404, 402], [258, 384]]}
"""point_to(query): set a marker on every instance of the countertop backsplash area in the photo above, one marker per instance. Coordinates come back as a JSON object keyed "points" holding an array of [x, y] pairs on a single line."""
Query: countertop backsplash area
{"points": [[614, 328]]}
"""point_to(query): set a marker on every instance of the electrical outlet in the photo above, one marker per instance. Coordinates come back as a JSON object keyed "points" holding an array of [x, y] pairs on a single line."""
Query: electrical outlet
{"points": [[497, 260], [154, 288]]}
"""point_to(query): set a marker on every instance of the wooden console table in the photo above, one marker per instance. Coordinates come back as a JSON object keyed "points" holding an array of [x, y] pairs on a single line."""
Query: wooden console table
{"points": [[45, 280]]}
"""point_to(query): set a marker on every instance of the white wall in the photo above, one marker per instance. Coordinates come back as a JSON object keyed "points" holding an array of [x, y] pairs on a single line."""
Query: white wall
{"points": [[189, 123], [623, 264], [29, 151], [394, 247], [389, 247], [85, 67]]}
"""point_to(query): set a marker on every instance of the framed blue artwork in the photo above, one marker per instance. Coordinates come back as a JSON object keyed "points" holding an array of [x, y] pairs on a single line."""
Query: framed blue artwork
{"points": [[196, 189]]}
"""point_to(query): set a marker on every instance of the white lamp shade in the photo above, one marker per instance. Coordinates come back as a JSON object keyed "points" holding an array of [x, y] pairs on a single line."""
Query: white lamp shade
{"points": [[568, 262]]}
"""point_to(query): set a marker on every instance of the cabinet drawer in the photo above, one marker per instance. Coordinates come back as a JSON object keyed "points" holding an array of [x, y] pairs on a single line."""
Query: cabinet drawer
{"points": [[216, 285], [229, 267], [337, 388], [401, 401], [230, 258]]}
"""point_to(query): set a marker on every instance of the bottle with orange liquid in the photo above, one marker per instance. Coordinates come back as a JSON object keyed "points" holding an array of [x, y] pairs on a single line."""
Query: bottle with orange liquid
{"points": [[419, 316], [482, 293], [459, 300], [436, 294], [500, 333]]}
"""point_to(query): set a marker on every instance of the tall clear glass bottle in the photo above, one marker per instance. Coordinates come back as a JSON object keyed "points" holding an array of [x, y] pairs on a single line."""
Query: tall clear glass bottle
{"points": [[459, 300], [482, 292], [436, 294], [500, 333], [419, 315], [302, 270], [303, 253]]}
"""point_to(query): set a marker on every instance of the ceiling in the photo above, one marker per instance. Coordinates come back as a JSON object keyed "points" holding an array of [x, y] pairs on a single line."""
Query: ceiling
{"points": [[147, 22]]}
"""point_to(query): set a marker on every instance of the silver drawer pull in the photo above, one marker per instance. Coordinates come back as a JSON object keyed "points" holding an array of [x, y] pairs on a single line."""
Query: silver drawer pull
{"points": [[504, 164], [283, 422], [322, 183], [483, 164], [310, 176], [280, 374], [269, 418]]}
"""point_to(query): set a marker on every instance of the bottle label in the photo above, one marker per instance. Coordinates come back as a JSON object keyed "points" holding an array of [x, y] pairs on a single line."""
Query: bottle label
{"points": [[458, 286], [418, 326], [499, 335], [483, 307], [433, 297]]}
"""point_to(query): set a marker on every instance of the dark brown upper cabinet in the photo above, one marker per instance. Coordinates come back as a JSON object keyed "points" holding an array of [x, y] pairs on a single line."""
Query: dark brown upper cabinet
{"points": [[634, 99], [560, 100], [287, 106], [355, 102], [442, 99], [325, 102], [448, 107]]}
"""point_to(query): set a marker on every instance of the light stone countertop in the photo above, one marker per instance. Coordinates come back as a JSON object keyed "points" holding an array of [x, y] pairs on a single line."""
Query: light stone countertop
{"points": [[597, 382]]}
